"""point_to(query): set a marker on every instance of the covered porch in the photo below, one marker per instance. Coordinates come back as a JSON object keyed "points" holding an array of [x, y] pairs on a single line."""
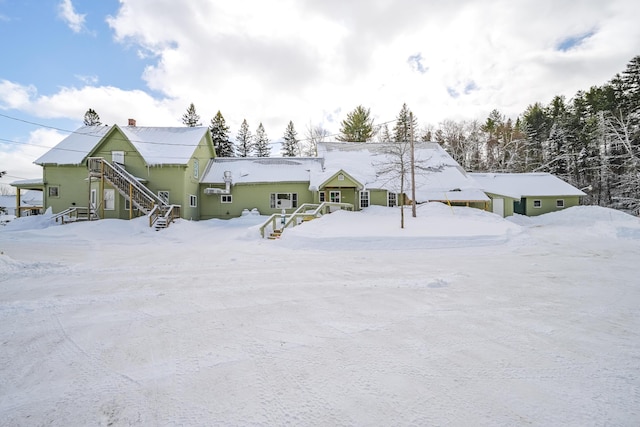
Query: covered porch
{"points": [[24, 207]]}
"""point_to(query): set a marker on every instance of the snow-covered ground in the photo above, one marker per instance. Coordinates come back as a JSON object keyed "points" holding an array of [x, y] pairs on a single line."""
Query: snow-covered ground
{"points": [[462, 318]]}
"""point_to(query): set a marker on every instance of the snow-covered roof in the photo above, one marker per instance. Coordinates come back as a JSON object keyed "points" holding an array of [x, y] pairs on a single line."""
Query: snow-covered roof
{"points": [[519, 185], [28, 182], [30, 199], [438, 175], [165, 145], [74, 148], [261, 169], [156, 145]]}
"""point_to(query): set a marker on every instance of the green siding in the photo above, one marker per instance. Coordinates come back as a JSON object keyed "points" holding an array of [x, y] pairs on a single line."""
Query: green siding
{"points": [[548, 204], [72, 183], [378, 197], [250, 196]]}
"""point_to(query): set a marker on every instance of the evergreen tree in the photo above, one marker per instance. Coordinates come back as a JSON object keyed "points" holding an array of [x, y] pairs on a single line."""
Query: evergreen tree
{"points": [[261, 145], [383, 134], [244, 140], [220, 136], [405, 125], [358, 126], [191, 118], [91, 118], [290, 142]]}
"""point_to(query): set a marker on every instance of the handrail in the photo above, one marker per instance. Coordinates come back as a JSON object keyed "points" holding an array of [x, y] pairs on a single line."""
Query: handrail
{"points": [[73, 212], [303, 211], [143, 198], [133, 190]]}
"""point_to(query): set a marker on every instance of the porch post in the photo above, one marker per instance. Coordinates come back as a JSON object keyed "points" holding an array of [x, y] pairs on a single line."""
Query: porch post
{"points": [[18, 210]]}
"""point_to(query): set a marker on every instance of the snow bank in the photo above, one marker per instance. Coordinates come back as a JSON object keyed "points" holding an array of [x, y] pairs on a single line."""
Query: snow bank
{"points": [[32, 222], [594, 220], [377, 227]]}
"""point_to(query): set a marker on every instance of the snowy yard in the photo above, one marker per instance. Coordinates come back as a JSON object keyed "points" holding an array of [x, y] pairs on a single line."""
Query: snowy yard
{"points": [[463, 318]]}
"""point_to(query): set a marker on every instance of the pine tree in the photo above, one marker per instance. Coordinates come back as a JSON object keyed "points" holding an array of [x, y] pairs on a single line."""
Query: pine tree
{"points": [[261, 145], [383, 134], [405, 125], [358, 126], [220, 136], [290, 142], [244, 140], [191, 118], [91, 118]]}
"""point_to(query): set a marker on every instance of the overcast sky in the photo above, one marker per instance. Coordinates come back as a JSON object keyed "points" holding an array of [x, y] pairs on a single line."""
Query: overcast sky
{"points": [[307, 61]]}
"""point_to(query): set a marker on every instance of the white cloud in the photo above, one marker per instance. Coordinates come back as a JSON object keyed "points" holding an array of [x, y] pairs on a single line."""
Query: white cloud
{"points": [[312, 62], [295, 60], [67, 13], [16, 158], [15, 96]]}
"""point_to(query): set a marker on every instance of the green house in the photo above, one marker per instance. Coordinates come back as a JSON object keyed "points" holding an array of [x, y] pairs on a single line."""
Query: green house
{"points": [[528, 194], [125, 172]]}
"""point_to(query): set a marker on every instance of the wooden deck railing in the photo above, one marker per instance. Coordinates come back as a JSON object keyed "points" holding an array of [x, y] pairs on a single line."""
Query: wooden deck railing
{"points": [[157, 209], [312, 210]]}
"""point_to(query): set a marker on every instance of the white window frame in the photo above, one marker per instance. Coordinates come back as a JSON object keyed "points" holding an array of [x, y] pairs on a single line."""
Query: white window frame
{"points": [[226, 198], [54, 191], [196, 168], [117, 157], [335, 196], [274, 197], [109, 198], [164, 195], [560, 203], [341, 177], [321, 196], [365, 199], [193, 201], [93, 198], [392, 199], [537, 204]]}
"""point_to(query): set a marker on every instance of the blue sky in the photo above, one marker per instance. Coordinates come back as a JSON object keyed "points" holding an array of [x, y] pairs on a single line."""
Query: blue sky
{"points": [[309, 62]]}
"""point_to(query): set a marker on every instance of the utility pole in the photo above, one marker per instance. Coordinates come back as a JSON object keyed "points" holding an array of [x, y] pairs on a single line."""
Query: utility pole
{"points": [[413, 169]]}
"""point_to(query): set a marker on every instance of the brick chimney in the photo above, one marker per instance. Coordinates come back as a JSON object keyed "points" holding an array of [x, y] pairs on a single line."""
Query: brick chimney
{"points": [[132, 122]]}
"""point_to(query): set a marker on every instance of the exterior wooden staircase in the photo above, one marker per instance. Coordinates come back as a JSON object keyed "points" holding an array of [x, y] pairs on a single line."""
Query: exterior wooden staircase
{"points": [[159, 212]]}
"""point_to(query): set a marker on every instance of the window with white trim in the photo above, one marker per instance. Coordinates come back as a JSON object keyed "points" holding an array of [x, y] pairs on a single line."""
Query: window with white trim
{"points": [[193, 201], [283, 200], [54, 191], [560, 203], [109, 199], [164, 196], [537, 204], [196, 168], [93, 198], [226, 198], [334, 196], [364, 199], [392, 199], [117, 157]]}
